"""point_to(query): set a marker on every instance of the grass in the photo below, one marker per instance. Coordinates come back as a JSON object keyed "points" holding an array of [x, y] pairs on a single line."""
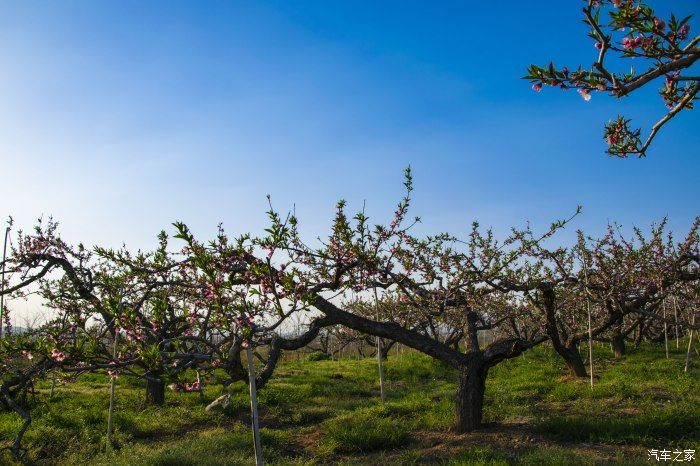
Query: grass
{"points": [[325, 412]]}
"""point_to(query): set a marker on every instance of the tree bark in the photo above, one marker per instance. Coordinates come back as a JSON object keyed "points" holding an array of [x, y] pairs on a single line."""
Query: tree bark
{"points": [[618, 345], [386, 347], [469, 403], [155, 391], [640, 334], [573, 360]]}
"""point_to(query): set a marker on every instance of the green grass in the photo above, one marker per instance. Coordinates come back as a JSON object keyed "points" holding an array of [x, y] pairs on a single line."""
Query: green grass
{"points": [[323, 412]]}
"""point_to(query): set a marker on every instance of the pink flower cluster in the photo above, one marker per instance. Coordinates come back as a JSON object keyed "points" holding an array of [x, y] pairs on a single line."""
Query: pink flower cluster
{"points": [[631, 43], [245, 322], [659, 24], [187, 387], [192, 387], [57, 355], [133, 332], [112, 372]]}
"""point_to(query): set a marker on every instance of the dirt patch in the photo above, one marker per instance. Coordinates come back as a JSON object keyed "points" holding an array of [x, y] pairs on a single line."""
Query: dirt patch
{"points": [[512, 440], [309, 440]]}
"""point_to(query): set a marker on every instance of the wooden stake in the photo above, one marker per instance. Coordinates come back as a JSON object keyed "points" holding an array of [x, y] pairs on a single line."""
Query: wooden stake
{"points": [[379, 352], [690, 344], [590, 329], [2, 278], [340, 352], [111, 394], [675, 313], [254, 407], [663, 304]]}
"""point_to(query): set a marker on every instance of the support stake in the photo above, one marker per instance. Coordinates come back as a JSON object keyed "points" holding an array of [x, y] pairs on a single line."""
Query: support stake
{"points": [[2, 279], [690, 344], [254, 407], [111, 394], [590, 329], [675, 313], [663, 303], [379, 352]]}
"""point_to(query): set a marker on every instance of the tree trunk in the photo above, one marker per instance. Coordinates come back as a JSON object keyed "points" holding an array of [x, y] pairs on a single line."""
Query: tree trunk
{"points": [[573, 360], [640, 334], [155, 391], [386, 347], [470, 397], [618, 345]]}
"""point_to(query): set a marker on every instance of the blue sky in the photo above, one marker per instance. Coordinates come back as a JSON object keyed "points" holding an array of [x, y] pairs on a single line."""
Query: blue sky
{"points": [[118, 118]]}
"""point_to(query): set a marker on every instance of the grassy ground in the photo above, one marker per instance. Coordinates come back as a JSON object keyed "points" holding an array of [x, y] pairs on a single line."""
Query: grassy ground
{"points": [[325, 412]]}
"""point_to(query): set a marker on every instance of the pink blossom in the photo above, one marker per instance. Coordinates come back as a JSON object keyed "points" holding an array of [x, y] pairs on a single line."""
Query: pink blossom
{"points": [[634, 42], [192, 387], [57, 355], [585, 94], [659, 24], [175, 387]]}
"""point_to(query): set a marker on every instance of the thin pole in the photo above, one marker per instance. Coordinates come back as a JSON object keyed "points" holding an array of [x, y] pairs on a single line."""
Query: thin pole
{"points": [[590, 329], [663, 303], [340, 352], [675, 313], [254, 407], [379, 352], [690, 344], [2, 279], [111, 393]]}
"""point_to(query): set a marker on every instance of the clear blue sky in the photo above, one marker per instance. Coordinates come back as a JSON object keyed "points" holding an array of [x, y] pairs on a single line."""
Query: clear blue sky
{"points": [[120, 117]]}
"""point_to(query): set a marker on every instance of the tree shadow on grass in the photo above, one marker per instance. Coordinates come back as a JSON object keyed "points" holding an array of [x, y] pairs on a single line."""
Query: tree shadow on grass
{"points": [[673, 424]]}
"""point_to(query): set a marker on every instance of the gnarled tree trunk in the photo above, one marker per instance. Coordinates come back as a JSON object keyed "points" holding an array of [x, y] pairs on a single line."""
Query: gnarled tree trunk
{"points": [[618, 345], [386, 347], [155, 391], [573, 359], [469, 403], [640, 334]]}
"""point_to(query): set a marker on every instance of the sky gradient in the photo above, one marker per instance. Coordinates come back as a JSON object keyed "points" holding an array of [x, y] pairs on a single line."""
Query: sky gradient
{"points": [[119, 118]]}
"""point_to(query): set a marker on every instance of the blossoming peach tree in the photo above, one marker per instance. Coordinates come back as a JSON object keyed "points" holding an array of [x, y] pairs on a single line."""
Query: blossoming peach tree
{"points": [[635, 277], [194, 310], [655, 49], [437, 282], [618, 282], [172, 312]]}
